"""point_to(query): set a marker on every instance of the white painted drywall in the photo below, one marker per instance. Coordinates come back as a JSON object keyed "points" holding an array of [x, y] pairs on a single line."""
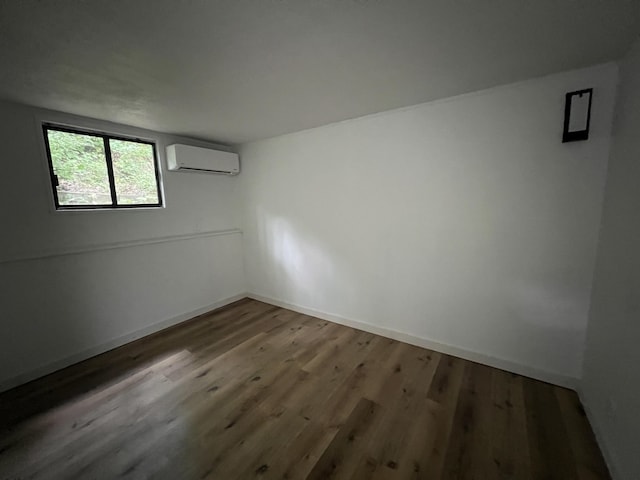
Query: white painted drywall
{"points": [[611, 383], [55, 308], [465, 222]]}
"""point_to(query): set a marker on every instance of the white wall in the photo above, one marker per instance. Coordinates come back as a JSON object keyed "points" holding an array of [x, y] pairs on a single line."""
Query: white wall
{"points": [[67, 305], [464, 222], [611, 383]]}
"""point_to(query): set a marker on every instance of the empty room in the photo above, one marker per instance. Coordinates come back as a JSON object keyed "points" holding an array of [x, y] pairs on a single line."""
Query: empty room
{"points": [[313, 239]]}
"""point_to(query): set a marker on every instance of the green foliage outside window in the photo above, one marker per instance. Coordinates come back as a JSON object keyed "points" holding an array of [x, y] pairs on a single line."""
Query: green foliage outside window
{"points": [[79, 162]]}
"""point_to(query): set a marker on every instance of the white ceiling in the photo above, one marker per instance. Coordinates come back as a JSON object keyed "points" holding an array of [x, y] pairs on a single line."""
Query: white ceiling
{"points": [[239, 70]]}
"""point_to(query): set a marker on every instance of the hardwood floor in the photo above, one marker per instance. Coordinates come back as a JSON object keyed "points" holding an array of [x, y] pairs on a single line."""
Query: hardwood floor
{"points": [[256, 391]]}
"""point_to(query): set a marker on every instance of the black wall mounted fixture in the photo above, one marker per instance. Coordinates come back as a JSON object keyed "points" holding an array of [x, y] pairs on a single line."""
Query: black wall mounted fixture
{"points": [[577, 115]]}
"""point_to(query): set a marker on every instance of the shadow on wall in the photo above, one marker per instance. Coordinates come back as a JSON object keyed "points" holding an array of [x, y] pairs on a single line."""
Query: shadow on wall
{"points": [[303, 269], [305, 272]]}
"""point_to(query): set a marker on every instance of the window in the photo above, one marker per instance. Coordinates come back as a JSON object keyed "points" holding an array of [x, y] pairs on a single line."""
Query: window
{"points": [[92, 170]]}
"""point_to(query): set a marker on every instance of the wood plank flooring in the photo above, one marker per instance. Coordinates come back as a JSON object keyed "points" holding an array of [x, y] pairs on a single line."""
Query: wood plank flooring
{"points": [[255, 391]]}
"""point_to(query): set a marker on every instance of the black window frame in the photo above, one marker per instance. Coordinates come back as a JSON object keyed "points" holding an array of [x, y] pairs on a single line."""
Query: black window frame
{"points": [[46, 127]]}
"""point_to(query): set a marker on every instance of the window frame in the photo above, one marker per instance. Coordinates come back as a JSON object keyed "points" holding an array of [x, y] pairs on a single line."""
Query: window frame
{"points": [[47, 126]]}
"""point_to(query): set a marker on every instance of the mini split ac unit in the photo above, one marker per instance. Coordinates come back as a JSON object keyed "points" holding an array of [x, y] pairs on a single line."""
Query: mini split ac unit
{"points": [[196, 159]]}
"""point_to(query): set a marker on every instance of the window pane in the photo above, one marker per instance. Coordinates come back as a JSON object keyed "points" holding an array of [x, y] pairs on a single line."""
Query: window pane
{"points": [[134, 172], [80, 165]]}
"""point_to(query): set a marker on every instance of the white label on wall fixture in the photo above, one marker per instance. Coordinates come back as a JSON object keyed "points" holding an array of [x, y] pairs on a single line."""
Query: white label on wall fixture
{"points": [[579, 112]]}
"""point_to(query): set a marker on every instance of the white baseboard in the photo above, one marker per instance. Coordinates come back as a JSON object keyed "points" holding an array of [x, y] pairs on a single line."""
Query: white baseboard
{"points": [[6, 384], [608, 453], [502, 364]]}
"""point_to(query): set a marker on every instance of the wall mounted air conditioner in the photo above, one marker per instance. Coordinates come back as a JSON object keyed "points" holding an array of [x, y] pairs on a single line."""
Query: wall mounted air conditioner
{"points": [[186, 158]]}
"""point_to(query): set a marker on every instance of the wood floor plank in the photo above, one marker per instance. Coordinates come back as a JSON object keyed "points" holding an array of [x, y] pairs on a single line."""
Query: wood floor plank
{"points": [[330, 393], [300, 452], [589, 460], [255, 456], [405, 400], [342, 455], [468, 454], [417, 459], [253, 391], [509, 443], [444, 391], [549, 448]]}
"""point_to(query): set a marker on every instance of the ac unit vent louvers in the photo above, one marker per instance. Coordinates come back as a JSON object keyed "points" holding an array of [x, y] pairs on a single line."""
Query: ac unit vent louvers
{"points": [[198, 159]]}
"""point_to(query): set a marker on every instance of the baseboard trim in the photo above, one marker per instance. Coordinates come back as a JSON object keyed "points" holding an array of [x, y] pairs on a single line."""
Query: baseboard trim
{"points": [[22, 378], [609, 456], [502, 364]]}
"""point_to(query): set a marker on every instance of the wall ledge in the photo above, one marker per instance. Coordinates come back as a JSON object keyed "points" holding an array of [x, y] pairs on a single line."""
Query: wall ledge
{"points": [[59, 252]]}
